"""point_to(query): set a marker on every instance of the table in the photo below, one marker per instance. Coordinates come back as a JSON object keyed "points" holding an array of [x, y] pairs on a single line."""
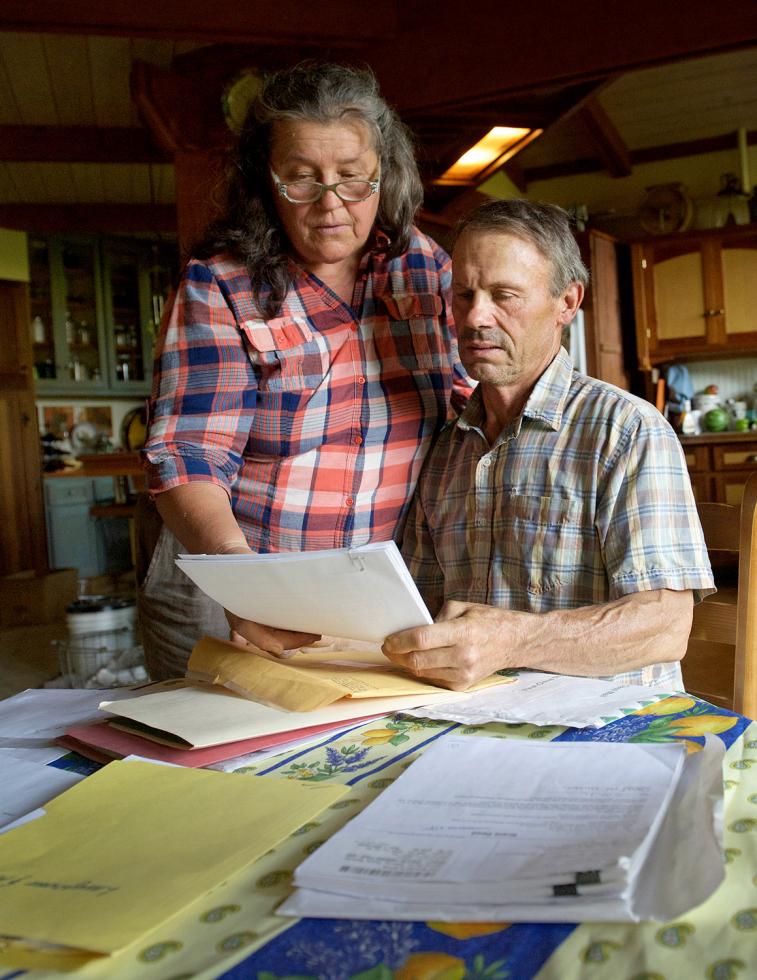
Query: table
{"points": [[233, 934]]}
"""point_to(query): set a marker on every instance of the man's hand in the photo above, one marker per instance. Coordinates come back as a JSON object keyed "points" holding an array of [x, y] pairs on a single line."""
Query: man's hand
{"points": [[275, 641], [467, 643]]}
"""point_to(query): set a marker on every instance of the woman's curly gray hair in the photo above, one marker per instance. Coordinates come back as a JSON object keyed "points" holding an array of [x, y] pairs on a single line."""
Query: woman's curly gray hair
{"points": [[322, 93]]}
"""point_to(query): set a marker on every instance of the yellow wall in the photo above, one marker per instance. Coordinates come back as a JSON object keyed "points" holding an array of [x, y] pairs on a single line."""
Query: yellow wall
{"points": [[14, 257], [622, 195]]}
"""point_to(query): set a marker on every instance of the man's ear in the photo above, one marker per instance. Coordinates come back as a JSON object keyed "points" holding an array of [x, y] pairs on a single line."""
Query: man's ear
{"points": [[570, 301]]}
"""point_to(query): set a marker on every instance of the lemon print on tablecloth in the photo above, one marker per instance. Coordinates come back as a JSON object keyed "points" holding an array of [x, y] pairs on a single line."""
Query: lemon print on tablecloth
{"points": [[431, 966], [674, 936], [236, 941], [274, 878], [219, 912], [669, 706], [599, 951], [158, 950], [468, 930], [745, 920], [725, 970], [743, 826]]}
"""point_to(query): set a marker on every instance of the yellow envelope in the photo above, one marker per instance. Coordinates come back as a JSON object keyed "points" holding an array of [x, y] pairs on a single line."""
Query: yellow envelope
{"points": [[132, 845], [310, 680]]}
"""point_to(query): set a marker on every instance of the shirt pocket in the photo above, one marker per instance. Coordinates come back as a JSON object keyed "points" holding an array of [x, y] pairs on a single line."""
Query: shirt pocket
{"points": [[411, 338], [549, 538], [287, 355]]}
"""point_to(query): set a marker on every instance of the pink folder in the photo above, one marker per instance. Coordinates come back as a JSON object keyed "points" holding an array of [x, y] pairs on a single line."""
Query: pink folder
{"points": [[102, 743]]}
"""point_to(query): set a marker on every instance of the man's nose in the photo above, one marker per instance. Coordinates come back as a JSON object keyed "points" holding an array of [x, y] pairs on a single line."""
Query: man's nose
{"points": [[479, 312]]}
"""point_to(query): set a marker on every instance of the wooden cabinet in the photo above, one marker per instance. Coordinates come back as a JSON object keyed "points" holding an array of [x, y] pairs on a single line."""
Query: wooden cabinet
{"points": [[95, 307], [695, 294], [719, 465], [76, 539], [603, 310]]}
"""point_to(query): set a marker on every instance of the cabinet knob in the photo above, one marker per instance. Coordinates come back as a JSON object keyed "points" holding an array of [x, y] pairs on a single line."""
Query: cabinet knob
{"points": [[751, 459], [714, 312]]}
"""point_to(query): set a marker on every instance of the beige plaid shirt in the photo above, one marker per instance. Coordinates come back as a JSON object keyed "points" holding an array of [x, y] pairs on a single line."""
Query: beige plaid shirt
{"points": [[583, 499]]}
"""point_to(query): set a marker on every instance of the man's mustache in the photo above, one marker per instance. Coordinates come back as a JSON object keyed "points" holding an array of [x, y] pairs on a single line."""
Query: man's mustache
{"points": [[491, 338]]}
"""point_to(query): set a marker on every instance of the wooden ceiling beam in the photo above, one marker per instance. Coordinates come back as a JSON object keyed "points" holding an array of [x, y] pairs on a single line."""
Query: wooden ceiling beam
{"points": [[262, 21], [649, 154], [482, 52], [609, 143], [78, 144], [110, 218]]}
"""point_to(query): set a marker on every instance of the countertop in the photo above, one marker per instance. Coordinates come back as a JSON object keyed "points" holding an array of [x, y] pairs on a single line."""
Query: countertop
{"points": [[708, 437], [102, 464]]}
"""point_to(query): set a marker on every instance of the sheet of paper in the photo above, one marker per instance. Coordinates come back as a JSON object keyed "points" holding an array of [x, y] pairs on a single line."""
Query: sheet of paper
{"points": [[157, 837], [362, 593], [201, 716], [682, 869], [472, 814], [548, 699], [28, 782], [307, 681], [38, 716], [103, 742]]}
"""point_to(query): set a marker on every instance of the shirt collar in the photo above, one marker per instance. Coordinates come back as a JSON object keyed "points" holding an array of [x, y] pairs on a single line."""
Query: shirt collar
{"points": [[547, 399], [545, 403]]}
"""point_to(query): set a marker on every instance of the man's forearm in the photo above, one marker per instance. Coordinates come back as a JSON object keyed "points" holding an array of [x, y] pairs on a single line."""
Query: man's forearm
{"points": [[611, 638], [200, 516], [470, 641]]}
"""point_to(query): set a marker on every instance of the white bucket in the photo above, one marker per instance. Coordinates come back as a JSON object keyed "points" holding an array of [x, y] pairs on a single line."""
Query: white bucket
{"points": [[97, 622]]}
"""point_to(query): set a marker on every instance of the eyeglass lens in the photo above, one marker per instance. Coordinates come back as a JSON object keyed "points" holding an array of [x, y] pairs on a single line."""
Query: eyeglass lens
{"points": [[306, 191]]}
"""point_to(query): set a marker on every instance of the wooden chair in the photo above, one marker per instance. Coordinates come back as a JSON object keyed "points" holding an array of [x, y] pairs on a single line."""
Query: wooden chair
{"points": [[721, 660]]}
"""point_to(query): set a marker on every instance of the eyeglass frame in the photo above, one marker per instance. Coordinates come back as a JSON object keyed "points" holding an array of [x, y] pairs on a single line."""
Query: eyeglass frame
{"points": [[281, 187]]}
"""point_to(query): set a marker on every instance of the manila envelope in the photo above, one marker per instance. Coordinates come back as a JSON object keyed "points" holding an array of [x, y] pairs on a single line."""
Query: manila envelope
{"points": [[310, 680], [131, 846]]}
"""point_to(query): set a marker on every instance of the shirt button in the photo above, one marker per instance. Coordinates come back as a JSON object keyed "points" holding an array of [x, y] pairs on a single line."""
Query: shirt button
{"points": [[355, 327], [349, 501], [486, 461], [358, 440], [361, 380]]}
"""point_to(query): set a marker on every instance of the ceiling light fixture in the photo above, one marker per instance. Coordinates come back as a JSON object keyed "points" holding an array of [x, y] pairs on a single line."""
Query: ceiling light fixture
{"points": [[488, 155]]}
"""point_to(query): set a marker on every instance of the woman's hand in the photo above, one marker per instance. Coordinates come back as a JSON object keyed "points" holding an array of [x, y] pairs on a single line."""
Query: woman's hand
{"points": [[278, 642]]}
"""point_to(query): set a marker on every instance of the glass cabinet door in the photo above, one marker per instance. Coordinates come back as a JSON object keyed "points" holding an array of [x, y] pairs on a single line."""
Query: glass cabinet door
{"points": [[41, 309], [82, 356], [124, 316]]}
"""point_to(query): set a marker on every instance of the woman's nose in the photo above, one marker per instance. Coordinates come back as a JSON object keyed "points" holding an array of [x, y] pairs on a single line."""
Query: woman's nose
{"points": [[330, 200]]}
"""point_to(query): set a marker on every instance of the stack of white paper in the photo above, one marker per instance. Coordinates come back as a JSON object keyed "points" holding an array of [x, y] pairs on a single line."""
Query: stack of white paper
{"points": [[484, 829], [547, 699], [362, 593]]}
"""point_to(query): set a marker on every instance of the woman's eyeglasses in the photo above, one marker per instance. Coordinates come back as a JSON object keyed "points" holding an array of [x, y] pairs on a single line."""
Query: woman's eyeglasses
{"points": [[310, 191]]}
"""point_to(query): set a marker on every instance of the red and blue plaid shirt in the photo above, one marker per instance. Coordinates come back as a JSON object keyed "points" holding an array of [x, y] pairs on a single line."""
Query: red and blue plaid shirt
{"points": [[315, 422]]}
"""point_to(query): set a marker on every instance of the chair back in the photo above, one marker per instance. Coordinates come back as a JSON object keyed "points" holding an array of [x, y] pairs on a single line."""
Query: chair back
{"points": [[721, 660]]}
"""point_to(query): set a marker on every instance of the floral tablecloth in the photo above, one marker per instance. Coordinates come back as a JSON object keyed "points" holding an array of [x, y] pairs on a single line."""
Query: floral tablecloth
{"points": [[233, 933]]}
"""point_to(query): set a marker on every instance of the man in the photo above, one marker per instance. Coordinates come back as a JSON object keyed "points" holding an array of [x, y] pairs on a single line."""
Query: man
{"points": [[554, 525]]}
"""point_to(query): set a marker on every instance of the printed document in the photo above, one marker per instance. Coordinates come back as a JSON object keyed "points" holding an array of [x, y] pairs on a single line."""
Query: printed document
{"points": [[362, 593], [547, 699], [486, 829]]}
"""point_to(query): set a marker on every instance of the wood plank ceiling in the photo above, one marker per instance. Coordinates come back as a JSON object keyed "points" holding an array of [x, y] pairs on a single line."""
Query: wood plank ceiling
{"points": [[609, 91]]}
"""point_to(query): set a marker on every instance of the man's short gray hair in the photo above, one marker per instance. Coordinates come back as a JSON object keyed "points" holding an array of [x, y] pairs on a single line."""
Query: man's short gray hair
{"points": [[545, 226]]}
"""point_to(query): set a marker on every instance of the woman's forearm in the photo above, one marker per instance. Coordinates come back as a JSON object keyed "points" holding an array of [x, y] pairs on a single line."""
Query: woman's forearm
{"points": [[200, 516]]}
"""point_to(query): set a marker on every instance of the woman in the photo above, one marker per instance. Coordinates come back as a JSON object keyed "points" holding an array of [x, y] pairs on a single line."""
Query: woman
{"points": [[308, 358]]}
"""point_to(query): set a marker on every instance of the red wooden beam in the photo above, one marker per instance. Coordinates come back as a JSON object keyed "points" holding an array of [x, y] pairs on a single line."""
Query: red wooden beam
{"points": [[114, 218], [649, 154], [490, 49], [78, 144], [269, 21], [609, 143]]}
